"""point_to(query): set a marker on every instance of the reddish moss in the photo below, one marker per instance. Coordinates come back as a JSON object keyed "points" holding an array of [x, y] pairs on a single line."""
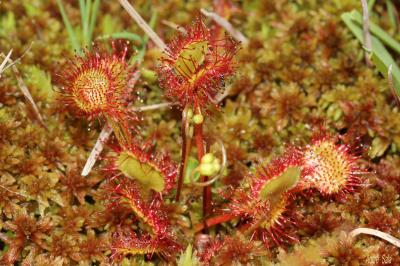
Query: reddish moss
{"points": [[73, 184], [233, 250], [26, 231], [92, 248], [381, 219]]}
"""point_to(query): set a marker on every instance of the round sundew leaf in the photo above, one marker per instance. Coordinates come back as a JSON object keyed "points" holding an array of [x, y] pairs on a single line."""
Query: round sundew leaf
{"points": [[191, 57], [90, 90], [282, 183], [146, 174]]}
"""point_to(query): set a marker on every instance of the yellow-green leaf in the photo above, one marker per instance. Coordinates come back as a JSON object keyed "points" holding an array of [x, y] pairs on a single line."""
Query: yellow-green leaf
{"points": [[145, 173]]}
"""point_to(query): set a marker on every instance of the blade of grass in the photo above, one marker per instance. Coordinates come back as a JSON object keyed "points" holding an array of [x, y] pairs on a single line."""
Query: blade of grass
{"points": [[145, 27], [366, 33], [392, 14], [93, 18], [375, 30], [382, 63], [122, 35], [88, 9], [82, 9], [371, 4], [379, 54], [391, 86], [139, 56], [71, 33], [134, 37]]}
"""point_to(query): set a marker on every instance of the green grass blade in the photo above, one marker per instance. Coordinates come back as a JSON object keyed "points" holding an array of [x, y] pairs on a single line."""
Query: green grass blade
{"points": [[382, 63], [82, 9], [85, 25], [391, 12], [375, 30], [354, 28], [371, 4], [71, 33], [122, 35], [379, 54], [139, 56], [153, 21], [93, 18]]}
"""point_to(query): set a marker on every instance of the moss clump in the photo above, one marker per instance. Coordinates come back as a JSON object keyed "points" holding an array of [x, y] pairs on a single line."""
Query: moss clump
{"points": [[302, 67]]}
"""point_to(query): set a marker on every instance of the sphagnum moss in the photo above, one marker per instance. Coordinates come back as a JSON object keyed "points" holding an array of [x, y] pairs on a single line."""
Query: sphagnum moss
{"points": [[301, 66]]}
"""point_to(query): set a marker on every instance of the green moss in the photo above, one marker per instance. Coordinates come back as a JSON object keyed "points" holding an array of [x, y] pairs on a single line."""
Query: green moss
{"points": [[302, 68], [7, 24], [40, 84]]}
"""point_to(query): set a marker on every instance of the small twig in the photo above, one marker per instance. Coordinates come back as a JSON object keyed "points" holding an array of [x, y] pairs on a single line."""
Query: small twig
{"points": [[237, 35], [97, 149], [19, 58], [21, 195], [25, 91], [368, 231], [143, 24], [3, 64], [13, 192], [367, 34], [152, 107], [391, 86], [174, 26]]}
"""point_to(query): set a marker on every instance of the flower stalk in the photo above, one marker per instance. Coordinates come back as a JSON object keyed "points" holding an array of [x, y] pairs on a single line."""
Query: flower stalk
{"points": [[201, 150], [192, 74], [186, 145]]}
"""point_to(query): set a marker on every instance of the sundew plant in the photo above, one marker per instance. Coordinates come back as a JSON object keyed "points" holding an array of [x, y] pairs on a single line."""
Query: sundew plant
{"points": [[185, 133]]}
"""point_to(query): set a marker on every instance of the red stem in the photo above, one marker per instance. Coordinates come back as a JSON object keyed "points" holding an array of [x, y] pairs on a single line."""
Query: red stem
{"points": [[214, 221], [200, 153]]}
